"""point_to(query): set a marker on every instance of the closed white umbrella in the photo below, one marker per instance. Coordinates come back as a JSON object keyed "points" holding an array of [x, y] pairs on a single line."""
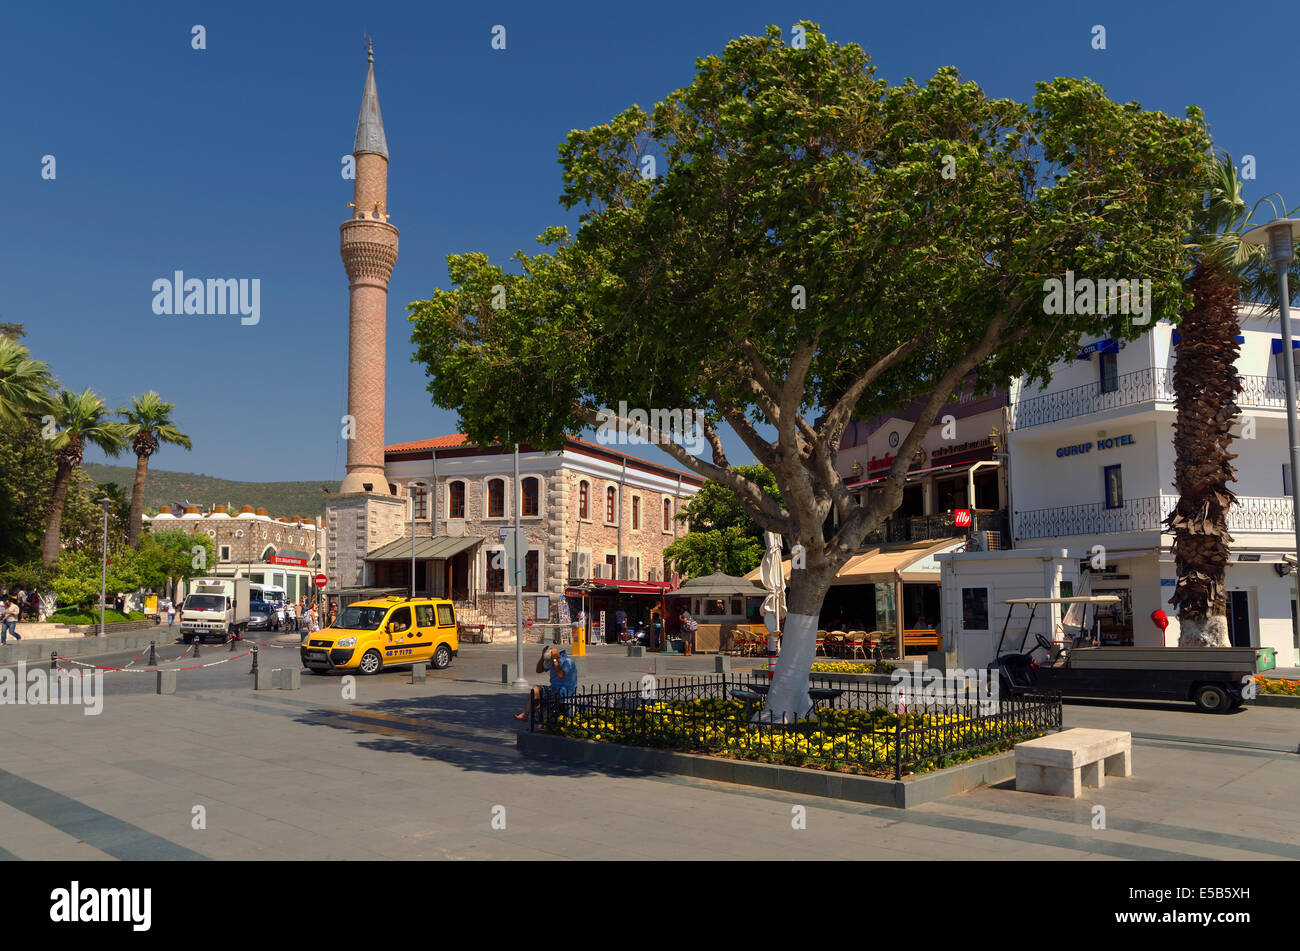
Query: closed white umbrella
{"points": [[773, 579]]}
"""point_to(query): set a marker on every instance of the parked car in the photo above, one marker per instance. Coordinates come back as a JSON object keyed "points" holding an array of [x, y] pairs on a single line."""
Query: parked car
{"points": [[385, 632], [261, 615]]}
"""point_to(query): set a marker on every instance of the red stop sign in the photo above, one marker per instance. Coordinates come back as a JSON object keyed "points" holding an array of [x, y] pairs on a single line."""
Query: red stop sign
{"points": [[320, 580]]}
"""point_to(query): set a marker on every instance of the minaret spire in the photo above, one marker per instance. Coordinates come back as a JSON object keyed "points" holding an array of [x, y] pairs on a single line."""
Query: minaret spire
{"points": [[370, 124]]}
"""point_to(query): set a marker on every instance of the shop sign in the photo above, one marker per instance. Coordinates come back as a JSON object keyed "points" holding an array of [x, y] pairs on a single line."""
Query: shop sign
{"points": [[961, 518], [944, 451], [1111, 442]]}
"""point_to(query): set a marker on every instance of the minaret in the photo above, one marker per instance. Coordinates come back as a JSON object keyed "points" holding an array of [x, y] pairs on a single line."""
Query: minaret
{"points": [[369, 249]]}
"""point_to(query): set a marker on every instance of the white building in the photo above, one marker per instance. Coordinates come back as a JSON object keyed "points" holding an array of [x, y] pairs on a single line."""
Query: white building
{"points": [[1092, 464]]}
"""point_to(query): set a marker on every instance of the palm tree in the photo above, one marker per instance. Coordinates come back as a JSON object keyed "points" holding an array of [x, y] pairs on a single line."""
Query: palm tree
{"points": [[1224, 271], [24, 383], [81, 418], [148, 423]]}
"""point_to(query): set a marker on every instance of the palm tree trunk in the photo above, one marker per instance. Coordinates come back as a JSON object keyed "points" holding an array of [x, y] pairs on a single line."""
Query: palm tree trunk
{"points": [[62, 479], [137, 501]]}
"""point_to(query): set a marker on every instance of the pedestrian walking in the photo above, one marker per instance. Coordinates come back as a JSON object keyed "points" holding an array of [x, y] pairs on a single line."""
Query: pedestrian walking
{"points": [[171, 614], [9, 622]]}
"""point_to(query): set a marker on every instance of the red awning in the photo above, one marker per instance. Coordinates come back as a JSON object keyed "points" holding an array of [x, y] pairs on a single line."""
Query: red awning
{"points": [[610, 586]]}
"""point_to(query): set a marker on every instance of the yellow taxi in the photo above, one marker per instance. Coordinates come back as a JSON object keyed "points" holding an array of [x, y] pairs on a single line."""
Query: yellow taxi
{"points": [[368, 636]]}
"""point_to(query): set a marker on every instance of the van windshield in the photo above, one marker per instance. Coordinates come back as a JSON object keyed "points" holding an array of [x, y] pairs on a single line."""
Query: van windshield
{"points": [[205, 602], [356, 618]]}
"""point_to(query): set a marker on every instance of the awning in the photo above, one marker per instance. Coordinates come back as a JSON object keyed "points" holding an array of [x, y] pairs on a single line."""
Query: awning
{"points": [[880, 565], [953, 467], [719, 585], [883, 565], [1106, 345], [444, 546], [1277, 344], [622, 586]]}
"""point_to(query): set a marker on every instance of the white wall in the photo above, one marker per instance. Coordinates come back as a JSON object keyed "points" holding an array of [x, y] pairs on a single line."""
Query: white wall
{"points": [[1021, 574], [1042, 479]]}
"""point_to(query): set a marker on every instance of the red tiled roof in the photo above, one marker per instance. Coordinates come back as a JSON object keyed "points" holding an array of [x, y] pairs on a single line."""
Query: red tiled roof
{"points": [[459, 440]]}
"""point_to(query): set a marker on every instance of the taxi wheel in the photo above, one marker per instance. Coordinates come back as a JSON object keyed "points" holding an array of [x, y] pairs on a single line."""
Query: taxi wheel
{"points": [[371, 662], [442, 657]]}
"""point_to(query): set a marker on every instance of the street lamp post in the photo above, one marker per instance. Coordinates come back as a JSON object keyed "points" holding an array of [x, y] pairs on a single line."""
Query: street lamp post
{"points": [[520, 681], [103, 567], [1279, 236]]}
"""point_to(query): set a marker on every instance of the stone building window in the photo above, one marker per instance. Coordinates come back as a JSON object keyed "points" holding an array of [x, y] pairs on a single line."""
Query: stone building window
{"points": [[531, 561], [531, 506], [668, 515], [583, 488], [610, 495], [225, 553], [496, 569], [420, 501], [496, 495], [456, 500], [636, 513]]}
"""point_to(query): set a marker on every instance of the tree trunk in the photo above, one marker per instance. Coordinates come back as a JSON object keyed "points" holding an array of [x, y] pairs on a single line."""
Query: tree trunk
{"points": [[137, 501], [787, 698], [50, 547], [1204, 632]]}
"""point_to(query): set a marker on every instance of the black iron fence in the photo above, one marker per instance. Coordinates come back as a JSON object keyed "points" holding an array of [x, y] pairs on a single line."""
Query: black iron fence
{"points": [[921, 528], [853, 726]]}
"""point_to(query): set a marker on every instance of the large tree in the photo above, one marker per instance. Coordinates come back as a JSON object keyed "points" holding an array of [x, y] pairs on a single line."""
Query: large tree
{"points": [[1224, 271], [813, 241], [723, 536], [148, 424], [24, 383], [79, 419]]}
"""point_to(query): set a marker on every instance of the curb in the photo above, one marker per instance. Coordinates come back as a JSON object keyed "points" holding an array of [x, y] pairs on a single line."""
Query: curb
{"points": [[1275, 700], [899, 793]]}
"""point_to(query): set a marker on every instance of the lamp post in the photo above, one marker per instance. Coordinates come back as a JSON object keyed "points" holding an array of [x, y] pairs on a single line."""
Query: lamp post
{"points": [[1279, 236], [103, 567], [520, 681]]}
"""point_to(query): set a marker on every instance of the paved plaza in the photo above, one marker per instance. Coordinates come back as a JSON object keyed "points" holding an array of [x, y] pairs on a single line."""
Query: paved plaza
{"points": [[430, 771]]}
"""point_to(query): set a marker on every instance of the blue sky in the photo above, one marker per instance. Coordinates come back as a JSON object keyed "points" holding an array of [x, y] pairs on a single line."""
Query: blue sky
{"points": [[225, 162]]}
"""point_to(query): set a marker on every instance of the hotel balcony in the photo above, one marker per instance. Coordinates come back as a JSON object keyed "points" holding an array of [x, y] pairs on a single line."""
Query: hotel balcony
{"points": [[921, 528], [1250, 514], [1141, 386]]}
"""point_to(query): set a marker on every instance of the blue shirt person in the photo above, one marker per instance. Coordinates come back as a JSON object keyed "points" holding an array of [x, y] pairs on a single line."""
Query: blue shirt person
{"points": [[564, 679]]}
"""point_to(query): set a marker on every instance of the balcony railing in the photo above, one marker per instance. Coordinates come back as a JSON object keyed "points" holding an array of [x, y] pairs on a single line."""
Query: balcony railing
{"points": [[1249, 514], [920, 528], [1140, 386]]}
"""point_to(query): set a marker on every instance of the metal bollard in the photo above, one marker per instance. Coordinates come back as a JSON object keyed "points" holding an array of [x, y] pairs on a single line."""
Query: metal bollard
{"points": [[153, 654], [254, 670], [54, 660], [197, 642], [232, 645]]}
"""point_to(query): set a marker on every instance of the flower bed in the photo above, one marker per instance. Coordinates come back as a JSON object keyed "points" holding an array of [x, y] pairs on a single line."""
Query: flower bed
{"points": [[852, 667], [1285, 688], [871, 741]]}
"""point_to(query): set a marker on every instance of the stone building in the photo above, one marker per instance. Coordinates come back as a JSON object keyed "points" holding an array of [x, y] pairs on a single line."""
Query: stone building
{"points": [[588, 512], [250, 543]]}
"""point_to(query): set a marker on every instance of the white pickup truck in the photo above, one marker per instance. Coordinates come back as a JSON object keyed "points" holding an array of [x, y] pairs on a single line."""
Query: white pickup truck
{"points": [[215, 608]]}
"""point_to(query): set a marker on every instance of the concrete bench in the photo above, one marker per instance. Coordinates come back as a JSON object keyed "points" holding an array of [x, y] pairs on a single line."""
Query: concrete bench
{"points": [[1061, 764]]}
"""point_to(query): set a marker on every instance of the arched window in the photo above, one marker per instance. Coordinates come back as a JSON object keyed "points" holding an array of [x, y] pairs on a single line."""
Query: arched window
{"points": [[268, 552], [456, 500], [636, 513], [496, 498], [530, 505], [610, 494], [582, 498], [668, 515], [531, 563]]}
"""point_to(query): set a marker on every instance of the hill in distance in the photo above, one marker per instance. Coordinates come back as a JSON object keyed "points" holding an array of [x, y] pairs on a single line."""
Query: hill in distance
{"points": [[162, 488]]}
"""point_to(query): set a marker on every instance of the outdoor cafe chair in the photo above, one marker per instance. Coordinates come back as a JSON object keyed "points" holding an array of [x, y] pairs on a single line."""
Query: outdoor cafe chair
{"points": [[854, 643], [873, 643], [821, 644], [836, 642]]}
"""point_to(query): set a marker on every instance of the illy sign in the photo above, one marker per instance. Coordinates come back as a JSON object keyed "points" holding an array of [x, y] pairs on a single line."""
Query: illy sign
{"points": [[961, 518]]}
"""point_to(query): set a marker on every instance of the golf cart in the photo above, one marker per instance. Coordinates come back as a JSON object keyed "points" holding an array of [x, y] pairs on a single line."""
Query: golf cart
{"points": [[1210, 677]]}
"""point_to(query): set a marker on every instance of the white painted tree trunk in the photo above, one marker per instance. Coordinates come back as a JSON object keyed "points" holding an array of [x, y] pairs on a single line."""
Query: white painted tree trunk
{"points": [[1212, 632], [788, 696]]}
